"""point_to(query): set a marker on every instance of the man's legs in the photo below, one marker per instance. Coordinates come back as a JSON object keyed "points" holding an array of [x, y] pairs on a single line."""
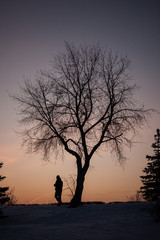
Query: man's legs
{"points": [[58, 198]]}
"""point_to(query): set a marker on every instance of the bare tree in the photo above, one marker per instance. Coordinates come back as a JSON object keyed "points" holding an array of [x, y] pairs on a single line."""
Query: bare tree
{"points": [[70, 183], [137, 197], [85, 101], [12, 198]]}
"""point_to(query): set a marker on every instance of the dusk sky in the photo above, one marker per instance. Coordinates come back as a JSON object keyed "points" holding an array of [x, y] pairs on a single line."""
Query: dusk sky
{"points": [[31, 33]]}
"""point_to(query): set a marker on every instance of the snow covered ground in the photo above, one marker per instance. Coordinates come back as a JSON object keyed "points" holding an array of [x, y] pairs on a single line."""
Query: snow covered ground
{"points": [[121, 221]]}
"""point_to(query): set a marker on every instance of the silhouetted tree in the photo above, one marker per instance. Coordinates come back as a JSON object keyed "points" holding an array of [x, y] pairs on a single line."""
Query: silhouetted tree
{"points": [[137, 197], [12, 198], [3, 192], [83, 102], [151, 179], [70, 183]]}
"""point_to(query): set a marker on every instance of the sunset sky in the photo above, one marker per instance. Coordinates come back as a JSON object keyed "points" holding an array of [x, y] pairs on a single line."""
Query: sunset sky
{"points": [[31, 33]]}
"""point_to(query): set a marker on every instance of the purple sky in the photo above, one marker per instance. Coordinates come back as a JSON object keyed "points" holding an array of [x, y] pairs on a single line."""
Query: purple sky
{"points": [[31, 32]]}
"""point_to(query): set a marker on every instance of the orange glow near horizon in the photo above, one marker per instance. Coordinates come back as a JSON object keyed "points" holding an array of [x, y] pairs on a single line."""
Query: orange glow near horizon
{"points": [[106, 180]]}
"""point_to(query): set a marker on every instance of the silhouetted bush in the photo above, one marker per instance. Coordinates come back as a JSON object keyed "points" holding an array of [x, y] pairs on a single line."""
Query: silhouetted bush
{"points": [[3, 192]]}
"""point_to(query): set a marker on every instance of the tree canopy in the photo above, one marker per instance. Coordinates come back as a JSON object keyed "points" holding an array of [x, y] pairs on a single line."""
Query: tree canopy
{"points": [[84, 101]]}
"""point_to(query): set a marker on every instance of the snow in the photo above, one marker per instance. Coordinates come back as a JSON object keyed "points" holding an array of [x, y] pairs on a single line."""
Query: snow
{"points": [[121, 221]]}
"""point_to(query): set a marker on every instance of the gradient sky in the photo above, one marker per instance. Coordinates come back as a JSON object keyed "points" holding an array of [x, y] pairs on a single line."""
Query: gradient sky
{"points": [[33, 31]]}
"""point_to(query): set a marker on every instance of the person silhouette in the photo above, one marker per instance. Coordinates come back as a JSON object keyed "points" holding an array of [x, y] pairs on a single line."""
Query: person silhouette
{"points": [[58, 190]]}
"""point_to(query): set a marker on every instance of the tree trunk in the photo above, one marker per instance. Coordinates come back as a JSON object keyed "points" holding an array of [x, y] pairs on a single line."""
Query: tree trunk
{"points": [[76, 200]]}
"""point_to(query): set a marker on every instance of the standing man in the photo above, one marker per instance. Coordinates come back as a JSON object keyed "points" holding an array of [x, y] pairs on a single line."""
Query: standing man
{"points": [[58, 189]]}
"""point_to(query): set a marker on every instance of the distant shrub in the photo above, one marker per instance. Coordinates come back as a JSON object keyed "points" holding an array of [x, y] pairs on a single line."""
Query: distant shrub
{"points": [[137, 197]]}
